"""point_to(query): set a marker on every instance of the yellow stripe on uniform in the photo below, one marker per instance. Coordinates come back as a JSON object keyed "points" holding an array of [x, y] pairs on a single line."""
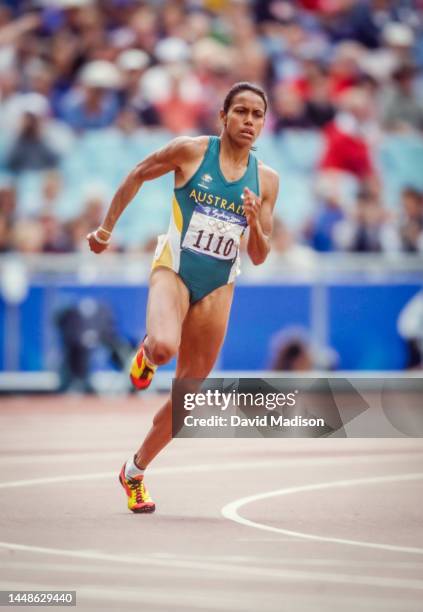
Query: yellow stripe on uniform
{"points": [[177, 214], [165, 258]]}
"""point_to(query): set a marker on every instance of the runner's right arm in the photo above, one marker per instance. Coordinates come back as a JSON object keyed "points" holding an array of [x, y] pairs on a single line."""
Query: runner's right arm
{"points": [[168, 159]]}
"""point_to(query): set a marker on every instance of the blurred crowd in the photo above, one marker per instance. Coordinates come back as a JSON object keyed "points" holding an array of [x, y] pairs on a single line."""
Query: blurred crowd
{"points": [[348, 71]]}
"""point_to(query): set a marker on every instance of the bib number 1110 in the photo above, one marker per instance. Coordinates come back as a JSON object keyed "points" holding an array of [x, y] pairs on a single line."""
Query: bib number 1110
{"points": [[208, 244]]}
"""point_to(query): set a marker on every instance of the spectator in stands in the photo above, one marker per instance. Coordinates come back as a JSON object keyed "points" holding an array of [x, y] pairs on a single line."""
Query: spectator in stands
{"points": [[289, 108], [177, 112], [55, 238], [66, 58], [401, 109], [291, 350], [132, 64], [304, 102], [214, 66], [251, 62], [346, 138], [284, 244], [399, 41], [94, 103], [364, 22], [94, 206], [9, 102], [282, 239], [52, 187], [128, 122], [411, 221], [341, 20], [293, 356], [31, 150], [319, 107], [368, 228], [94, 202], [28, 236], [84, 327], [5, 233], [174, 88], [40, 77], [410, 328], [173, 19], [319, 231], [128, 64], [344, 72], [144, 28], [76, 230], [7, 198]]}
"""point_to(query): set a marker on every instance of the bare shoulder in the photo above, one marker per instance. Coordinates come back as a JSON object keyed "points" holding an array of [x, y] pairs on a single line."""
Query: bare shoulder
{"points": [[269, 180], [188, 148]]}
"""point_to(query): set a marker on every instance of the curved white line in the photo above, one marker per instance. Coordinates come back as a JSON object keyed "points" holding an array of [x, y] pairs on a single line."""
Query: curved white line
{"points": [[230, 511]]}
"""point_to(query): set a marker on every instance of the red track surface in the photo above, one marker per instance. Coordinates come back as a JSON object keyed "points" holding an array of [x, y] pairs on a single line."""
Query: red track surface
{"points": [[76, 533]]}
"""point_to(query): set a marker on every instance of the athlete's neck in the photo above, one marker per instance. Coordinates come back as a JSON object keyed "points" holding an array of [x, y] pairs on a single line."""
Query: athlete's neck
{"points": [[232, 152]]}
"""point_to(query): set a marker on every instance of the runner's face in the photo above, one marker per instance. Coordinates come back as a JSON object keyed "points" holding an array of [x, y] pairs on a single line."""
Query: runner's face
{"points": [[245, 118]]}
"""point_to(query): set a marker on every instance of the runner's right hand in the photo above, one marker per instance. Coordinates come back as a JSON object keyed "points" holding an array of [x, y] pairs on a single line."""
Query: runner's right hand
{"points": [[94, 244]]}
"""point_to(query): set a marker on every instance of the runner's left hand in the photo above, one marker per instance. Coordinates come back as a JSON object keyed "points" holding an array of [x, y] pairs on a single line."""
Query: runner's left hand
{"points": [[252, 205]]}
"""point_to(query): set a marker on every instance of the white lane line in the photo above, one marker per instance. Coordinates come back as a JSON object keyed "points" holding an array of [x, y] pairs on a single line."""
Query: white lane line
{"points": [[36, 567], [206, 467], [290, 561], [23, 459], [226, 570], [275, 562], [234, 465], [56, 457], [230, 511]]}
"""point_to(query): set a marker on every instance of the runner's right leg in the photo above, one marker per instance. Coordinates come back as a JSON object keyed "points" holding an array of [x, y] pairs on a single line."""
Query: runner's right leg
{"points": [[203, 333]]}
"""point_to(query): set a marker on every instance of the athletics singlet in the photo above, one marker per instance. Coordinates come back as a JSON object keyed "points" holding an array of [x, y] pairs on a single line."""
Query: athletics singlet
{"points": [[206, 225]]}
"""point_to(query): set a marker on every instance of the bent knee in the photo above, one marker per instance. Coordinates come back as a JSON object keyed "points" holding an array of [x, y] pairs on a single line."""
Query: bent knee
{"points": [[160, 351]]}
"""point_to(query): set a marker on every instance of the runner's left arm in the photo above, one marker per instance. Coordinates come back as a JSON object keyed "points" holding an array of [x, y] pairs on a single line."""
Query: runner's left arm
{"points": [[259, 214]]}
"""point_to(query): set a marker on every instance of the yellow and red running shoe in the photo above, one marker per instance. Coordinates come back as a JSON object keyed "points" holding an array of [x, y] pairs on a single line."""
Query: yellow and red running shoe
{"points": [[139, 499], [142, 371]]}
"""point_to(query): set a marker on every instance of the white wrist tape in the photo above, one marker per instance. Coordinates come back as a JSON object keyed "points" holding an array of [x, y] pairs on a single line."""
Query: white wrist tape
{"points": [[100, 240]]}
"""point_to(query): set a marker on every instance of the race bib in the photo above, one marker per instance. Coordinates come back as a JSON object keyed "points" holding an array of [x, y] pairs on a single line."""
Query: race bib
{"points": [[214, 232]]}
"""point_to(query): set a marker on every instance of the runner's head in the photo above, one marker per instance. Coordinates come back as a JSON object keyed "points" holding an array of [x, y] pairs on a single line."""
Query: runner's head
{"points": [[243, 112]]}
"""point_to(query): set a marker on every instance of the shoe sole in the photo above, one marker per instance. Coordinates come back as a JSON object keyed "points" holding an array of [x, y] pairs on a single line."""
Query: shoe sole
{"points": [[146, 510]]}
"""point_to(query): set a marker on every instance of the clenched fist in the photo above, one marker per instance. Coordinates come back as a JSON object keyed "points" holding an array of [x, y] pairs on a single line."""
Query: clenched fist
{"points": [[99, 240]]}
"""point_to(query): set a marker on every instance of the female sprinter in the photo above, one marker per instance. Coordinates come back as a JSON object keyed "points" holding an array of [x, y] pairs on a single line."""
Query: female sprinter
{"points": [[220, 190]]}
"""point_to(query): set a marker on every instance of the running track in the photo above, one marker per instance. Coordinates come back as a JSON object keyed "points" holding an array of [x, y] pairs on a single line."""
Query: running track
{"points": [[260, 525]]}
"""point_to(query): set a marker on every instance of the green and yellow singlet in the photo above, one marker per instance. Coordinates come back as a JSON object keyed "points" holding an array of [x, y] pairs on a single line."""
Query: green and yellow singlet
{"points": [[206, 225]]}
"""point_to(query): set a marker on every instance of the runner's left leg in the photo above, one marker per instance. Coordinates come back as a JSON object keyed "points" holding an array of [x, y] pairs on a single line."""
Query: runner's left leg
{"points": [[203, 333]]}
